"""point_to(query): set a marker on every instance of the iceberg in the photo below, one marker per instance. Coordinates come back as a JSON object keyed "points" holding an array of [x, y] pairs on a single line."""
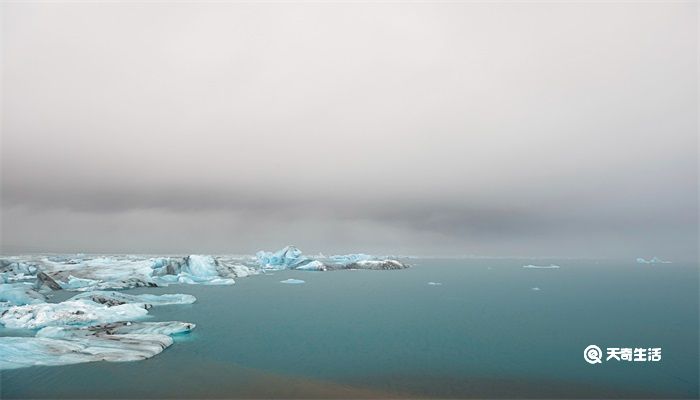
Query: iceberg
{"points": [[18, 352], [653, 260], [100, 324], [293, 281], [74, 283], [117, 298], [314, 265], [14, 271], [89, 327], [377, 265], [99, 273], [350, 258], [72, 312], [434, 283], [289, 257], [551, 266], [20, 294], [198, 269], [88, 309], [119, 328]]}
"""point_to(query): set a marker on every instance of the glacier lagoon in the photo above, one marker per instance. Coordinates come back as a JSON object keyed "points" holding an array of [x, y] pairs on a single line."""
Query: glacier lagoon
{"points": [[483, 332]]}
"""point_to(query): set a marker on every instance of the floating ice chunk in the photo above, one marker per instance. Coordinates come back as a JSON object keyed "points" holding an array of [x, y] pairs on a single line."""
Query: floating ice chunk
{"points": [[200, 266], [79, 283], [313, 266], [288, 257], [551, 266], [20, 294], [16, 271], [218, 281], [362, 261], [434, 283], [75, 312], [196, 269], [98, 273], [117, 298], [117, 328], [653, 260], [18, 352], [535, 289], [377, 264], [291, 257], [292, 281], [350, 258], [229, 269]]}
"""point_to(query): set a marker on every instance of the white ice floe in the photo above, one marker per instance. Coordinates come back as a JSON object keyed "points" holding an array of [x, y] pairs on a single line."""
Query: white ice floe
{"points": [[104, 273], [551, 266], [535, 289], [18, 352], [67, 313], [293, 281], [16, 271], [313, 266], [117, 328], [350, 258], [377, 264], [98, 273], [653, 260], [88, 309], [117, 298], [434, 283], [20, 294]]}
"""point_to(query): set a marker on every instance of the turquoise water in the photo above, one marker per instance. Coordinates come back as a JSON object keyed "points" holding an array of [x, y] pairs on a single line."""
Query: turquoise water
{"points": [[483, 333]]}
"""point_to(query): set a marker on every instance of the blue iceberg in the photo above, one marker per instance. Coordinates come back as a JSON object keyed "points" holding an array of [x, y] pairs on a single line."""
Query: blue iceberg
{"points": [[289, 257], [20, 294]]}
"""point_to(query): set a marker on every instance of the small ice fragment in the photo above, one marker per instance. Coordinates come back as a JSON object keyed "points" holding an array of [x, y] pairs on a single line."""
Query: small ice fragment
{"points": [[434, 283], [653, 260], [551, 266], [536, 289], [293, 281]]}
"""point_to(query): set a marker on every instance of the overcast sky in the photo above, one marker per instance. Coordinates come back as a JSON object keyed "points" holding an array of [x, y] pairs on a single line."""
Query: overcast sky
{"points": [[563, 129]]}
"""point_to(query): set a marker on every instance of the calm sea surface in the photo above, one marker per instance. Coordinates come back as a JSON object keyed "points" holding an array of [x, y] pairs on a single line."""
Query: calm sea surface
{"points": [[483, 333]]}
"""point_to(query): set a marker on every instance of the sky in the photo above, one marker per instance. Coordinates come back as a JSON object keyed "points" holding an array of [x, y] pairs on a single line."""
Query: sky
{"points": [[452, 128]]}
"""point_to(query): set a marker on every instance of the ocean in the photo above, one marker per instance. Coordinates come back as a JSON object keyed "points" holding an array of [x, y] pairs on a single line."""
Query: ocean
{"points": [[482, 328]]}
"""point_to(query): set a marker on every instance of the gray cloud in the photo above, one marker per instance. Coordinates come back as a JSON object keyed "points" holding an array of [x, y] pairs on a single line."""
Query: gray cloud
{"points": [[455, 128]]}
